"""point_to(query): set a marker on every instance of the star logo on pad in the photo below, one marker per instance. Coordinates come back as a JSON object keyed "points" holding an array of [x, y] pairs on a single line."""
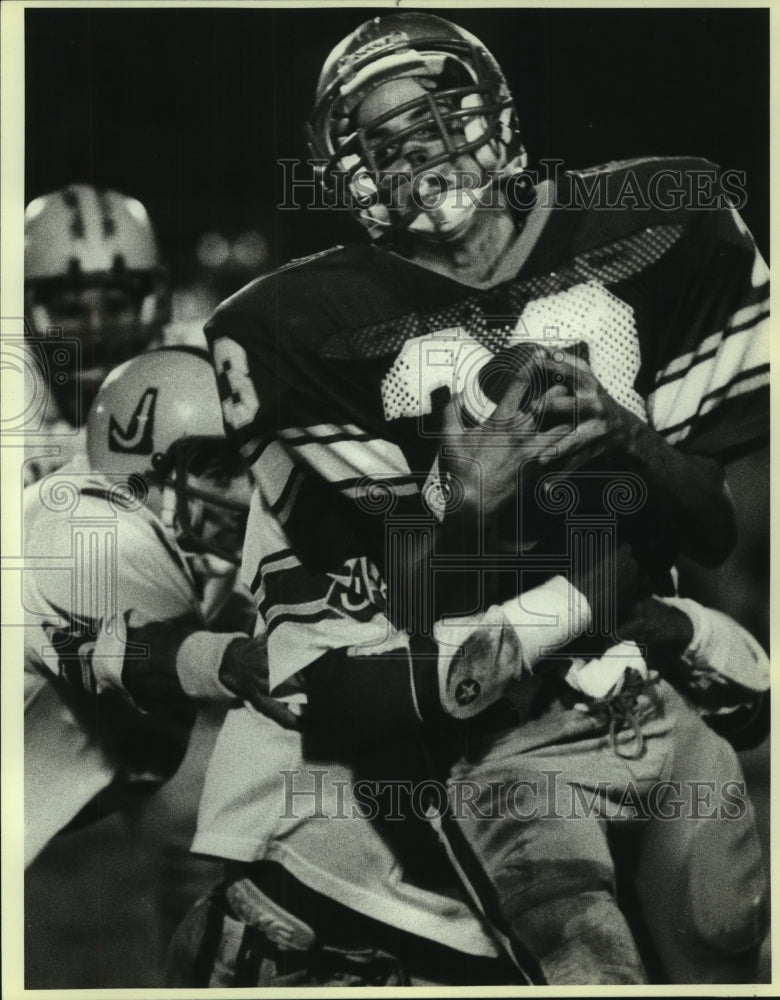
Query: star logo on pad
{"points": [[467, 691]]}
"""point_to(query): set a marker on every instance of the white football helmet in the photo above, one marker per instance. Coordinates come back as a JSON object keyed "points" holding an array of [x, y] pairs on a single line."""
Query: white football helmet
{"points": [[467, 104], [95, 292], [157, 421]]}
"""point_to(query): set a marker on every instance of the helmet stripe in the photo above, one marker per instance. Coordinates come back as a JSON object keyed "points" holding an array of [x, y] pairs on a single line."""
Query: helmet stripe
{"points": [[71, 199], [107, 219]]}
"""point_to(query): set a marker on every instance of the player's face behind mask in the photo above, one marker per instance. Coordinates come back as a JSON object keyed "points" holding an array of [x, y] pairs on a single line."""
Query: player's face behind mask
{"points": [[105, 318], [424, 178], [206, 491]]}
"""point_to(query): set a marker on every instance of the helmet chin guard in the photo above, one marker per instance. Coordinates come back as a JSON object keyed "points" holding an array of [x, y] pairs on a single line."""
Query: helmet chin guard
{"points": [[466, 104]]}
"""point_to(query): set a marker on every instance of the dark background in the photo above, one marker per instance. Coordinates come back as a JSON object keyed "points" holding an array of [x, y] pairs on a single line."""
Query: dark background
{"points": [[189, 110]]}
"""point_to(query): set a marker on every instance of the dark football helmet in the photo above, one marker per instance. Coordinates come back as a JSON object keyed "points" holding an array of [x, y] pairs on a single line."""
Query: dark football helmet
{"points": [[467, 105]]}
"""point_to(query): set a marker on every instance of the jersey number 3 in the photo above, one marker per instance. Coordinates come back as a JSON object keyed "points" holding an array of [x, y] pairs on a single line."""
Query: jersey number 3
{"points": [[236, 389]]}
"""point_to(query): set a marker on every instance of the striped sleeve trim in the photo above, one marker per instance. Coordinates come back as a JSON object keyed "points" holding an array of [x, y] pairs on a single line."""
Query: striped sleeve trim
{"points": [[296, 614], [355, 463], [726, 365], [273, 469], [744, 319], [282, 508], [283, 559], [253, 448], [324, 434], [290, 587], [260, 590], [375, 491], [337, 458], [742, 384]]}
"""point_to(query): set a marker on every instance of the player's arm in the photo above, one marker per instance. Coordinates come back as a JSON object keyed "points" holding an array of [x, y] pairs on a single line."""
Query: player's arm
{"points": [[709, 401], [158, 664], [710, 658], [385, 690], [148, 641], [168, 662], [392, 683]]}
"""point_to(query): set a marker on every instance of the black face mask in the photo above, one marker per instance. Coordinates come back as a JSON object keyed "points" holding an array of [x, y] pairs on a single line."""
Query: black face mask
{"points": [[67, 350], [211, 460]]}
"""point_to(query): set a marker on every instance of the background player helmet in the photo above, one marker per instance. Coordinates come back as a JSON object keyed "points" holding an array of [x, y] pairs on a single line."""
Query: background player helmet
{"points": [[469, 107], [158, 417], [93, 278]]}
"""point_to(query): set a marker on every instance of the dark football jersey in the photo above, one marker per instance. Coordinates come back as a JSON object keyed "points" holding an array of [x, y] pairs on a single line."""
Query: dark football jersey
{"points": [[334, 371]]}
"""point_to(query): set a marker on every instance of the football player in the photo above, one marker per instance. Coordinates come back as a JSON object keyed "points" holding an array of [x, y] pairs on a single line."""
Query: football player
{"points": [[95, 296], [129, 568], [369, 547]]}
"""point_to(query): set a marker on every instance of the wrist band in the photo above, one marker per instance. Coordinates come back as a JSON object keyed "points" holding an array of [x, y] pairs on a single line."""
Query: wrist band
{"points": [[198, 661], [547, 617]]}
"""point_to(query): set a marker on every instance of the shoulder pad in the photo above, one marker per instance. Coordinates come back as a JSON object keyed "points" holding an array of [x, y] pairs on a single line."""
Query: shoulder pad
{"points": [[646, 166], [269, 283], [616, 200], [308, 301]]}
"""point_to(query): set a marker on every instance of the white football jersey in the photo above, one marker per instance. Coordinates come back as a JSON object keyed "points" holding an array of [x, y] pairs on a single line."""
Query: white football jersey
{"points": [[95, 561]]}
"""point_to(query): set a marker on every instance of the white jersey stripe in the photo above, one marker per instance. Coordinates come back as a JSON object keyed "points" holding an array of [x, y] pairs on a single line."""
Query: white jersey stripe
{"points": [[738, 389], [272, 471], [365, 489], [679, 400], [322, 430], [350, 460], [294, 645], [749, 315], [289, 562]]}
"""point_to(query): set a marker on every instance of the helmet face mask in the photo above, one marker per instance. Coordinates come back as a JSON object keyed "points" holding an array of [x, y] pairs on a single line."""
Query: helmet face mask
{"points": [[211, 491], [460, 112], [105, 318]]}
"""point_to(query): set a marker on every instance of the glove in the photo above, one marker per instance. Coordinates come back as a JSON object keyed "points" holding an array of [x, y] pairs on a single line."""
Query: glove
{"points": [[721, 649], [169, 662], [244, 671]]}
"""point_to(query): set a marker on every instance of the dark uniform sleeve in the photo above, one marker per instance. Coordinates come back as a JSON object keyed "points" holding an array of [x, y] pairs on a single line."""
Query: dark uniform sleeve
{"points": [[711, 391]]}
